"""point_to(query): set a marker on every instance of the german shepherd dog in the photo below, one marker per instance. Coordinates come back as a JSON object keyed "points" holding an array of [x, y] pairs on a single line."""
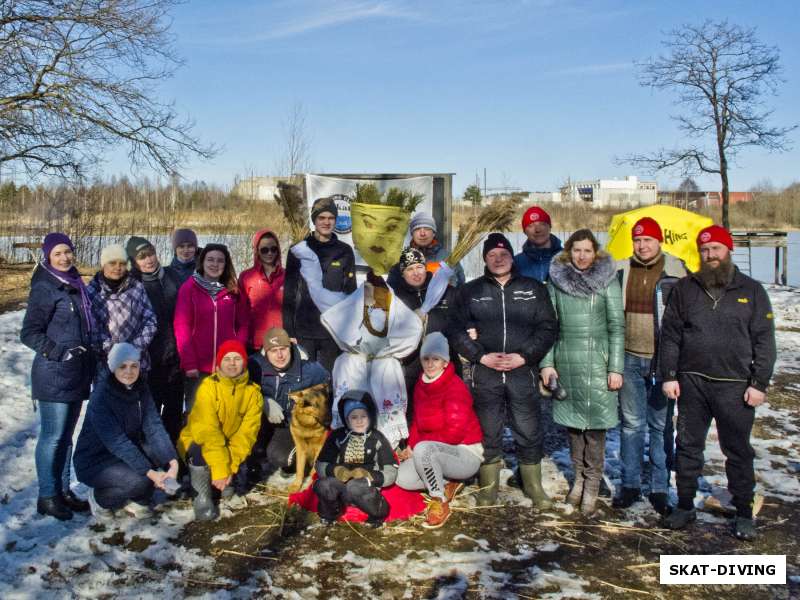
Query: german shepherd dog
{"points": [[311, 418]]}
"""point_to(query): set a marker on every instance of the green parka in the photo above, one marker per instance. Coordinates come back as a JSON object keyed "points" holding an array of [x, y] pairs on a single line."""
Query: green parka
{"points": [[591, 341]]}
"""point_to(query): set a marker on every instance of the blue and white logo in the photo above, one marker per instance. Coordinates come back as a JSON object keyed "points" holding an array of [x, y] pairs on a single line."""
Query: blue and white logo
{"points": [[344, 223]]}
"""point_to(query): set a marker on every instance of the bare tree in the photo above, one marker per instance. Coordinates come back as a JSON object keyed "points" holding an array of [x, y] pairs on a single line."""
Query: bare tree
{"points": [[78, 77], [296, 152], [721, 74]]}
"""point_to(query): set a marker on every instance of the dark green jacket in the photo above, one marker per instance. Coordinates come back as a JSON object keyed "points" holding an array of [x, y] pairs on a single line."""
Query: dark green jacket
{"points": [[591, 341]]}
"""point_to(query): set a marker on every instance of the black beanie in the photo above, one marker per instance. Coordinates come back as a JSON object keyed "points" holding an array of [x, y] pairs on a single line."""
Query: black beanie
{"points": [[411, 256], [496, 240], [322, 205], [135, 245]]}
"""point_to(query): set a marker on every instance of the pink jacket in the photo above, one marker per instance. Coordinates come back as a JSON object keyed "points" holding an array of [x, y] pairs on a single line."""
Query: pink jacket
{"points": [[264, 294], [202, 324]]}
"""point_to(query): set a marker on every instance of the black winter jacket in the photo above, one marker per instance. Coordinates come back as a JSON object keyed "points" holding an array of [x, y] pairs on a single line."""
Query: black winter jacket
{"points": [[300, 314], [54, 322], [379, 457], [121, 425], [732, 338], [438, 318], [163, 295], [515, 318]]}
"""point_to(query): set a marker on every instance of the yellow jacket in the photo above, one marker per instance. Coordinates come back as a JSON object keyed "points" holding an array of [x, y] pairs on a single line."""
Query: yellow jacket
{"points": [[224, 422]]}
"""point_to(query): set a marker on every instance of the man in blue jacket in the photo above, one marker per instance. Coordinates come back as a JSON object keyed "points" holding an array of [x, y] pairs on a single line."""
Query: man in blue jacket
{"points": [[540, 247], [281, 368]]}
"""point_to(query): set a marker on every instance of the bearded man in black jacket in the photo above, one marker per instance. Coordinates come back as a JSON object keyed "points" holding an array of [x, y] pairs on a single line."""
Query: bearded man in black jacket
{"points": [[505, 324], [717, 352]]}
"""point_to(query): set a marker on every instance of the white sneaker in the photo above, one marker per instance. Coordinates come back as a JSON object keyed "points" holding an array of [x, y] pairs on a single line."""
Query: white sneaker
{"points": [[137, 511], [98, 512]]}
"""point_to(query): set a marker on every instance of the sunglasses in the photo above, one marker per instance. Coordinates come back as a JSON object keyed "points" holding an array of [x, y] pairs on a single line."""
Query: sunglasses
{"points": [[268, 250]]}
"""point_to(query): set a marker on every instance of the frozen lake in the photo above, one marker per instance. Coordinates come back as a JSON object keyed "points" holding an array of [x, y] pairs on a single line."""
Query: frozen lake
{"points": [[763, 259]]}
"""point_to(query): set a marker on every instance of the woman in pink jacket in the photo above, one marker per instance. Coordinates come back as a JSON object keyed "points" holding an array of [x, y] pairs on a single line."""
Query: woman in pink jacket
{"points": [[262, 286], [210, 310]]}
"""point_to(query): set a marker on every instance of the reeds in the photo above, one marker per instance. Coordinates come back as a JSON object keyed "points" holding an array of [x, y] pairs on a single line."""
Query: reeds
{"points": [[498, 216], [295, 210]]}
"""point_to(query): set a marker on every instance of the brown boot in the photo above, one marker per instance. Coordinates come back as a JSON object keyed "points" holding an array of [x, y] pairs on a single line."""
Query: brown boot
{"points": [[451, 489], [591, 488], [438, 513], [576, 492]]}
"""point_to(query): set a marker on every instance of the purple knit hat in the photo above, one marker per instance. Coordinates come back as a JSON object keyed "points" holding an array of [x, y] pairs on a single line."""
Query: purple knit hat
{"points": [[183, 236], [51, 240]]}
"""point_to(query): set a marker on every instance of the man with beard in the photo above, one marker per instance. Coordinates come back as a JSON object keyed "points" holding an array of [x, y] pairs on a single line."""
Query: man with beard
{"points": [[717, 354]]}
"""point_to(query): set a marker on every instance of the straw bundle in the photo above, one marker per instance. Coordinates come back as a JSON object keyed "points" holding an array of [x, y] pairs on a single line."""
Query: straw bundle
{"points": [[295, 211], [368, 193], [498, 216]]}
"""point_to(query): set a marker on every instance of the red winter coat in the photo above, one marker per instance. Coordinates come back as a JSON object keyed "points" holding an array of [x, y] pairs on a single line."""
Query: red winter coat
{"points": [[264, 294], [443, 412], [202, 324]]}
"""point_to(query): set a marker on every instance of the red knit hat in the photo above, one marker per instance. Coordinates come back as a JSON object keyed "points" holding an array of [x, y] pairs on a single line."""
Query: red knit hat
{"points": [[715, 233], [533, 215], [647, 227], [231, 346]]}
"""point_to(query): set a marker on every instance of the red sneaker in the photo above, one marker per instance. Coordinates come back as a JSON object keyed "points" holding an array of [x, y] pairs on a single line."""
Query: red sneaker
{"points": [[438, 513], [451, 489]]}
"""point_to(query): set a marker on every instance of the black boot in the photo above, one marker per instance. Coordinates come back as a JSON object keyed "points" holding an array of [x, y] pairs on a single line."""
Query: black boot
{"points": [[626, 498], [54, 507], [679, 518], [75, 504], [744, 529], [660, 502]]}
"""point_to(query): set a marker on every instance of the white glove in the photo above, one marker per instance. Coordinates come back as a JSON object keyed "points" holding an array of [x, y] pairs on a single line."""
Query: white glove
{"points": [[275, 414]]}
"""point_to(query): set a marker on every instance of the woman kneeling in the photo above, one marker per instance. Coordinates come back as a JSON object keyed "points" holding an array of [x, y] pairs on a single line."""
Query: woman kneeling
{"points": [[221, 428], [445, 438], [123, 449]]}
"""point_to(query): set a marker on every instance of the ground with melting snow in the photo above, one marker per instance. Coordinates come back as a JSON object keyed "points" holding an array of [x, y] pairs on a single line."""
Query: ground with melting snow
{"points": [[508, 551]]}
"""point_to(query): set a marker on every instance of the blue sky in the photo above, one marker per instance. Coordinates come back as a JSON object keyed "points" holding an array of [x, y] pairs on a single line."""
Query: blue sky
{"points": [[534, 91]]}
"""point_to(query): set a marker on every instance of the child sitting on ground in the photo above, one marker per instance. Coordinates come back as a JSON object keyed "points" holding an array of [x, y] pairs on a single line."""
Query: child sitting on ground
{"points": [[355, 463]]}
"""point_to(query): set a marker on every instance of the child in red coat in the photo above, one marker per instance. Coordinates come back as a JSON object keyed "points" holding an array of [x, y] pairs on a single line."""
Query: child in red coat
{"points": [[444, 442]]}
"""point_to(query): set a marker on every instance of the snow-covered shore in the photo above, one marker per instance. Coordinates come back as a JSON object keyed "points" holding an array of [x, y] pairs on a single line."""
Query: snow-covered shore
{"points": [[42, 557]]}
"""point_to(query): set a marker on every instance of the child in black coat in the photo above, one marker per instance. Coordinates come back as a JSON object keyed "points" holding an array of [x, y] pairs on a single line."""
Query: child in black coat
{"points": [[355, 463]]}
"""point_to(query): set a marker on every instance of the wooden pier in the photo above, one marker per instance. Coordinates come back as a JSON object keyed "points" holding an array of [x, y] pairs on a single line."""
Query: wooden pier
{"points": [[763, 239]]}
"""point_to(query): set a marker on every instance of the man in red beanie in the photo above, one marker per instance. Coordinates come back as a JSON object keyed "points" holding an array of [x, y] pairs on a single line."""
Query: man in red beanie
{"points": [[540, 247], [646, 279], [717, 353]]}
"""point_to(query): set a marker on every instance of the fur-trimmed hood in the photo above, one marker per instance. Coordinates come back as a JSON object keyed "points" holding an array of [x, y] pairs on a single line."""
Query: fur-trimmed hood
{"points": [[570, 280]]}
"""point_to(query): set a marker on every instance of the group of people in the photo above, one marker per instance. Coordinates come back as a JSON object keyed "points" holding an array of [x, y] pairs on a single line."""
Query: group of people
{"points": [[189, 369]]}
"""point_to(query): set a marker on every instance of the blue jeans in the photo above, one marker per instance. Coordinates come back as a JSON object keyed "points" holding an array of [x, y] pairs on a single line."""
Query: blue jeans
{"points": [[54, 447], [643, 408]]}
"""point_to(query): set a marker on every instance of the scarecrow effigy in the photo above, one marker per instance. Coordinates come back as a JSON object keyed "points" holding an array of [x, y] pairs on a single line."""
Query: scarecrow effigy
{"points": [[372, 327]]}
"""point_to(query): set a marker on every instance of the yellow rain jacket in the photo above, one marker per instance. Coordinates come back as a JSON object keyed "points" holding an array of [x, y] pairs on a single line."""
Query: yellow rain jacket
{"points": [[224, 422]]}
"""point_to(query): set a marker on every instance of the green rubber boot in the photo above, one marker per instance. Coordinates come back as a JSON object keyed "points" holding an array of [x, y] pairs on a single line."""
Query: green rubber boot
{"points": [[532, 486], [489, 483]]}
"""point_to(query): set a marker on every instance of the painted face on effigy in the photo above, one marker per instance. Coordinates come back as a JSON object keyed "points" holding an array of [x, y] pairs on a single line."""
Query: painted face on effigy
{"points": [[378, 234]]}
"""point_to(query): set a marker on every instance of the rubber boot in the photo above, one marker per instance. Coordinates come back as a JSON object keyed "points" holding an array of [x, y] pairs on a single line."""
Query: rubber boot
{"points": [[203, 503], [489, 483], [532, 486], [591, 489], [576, 492]]}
